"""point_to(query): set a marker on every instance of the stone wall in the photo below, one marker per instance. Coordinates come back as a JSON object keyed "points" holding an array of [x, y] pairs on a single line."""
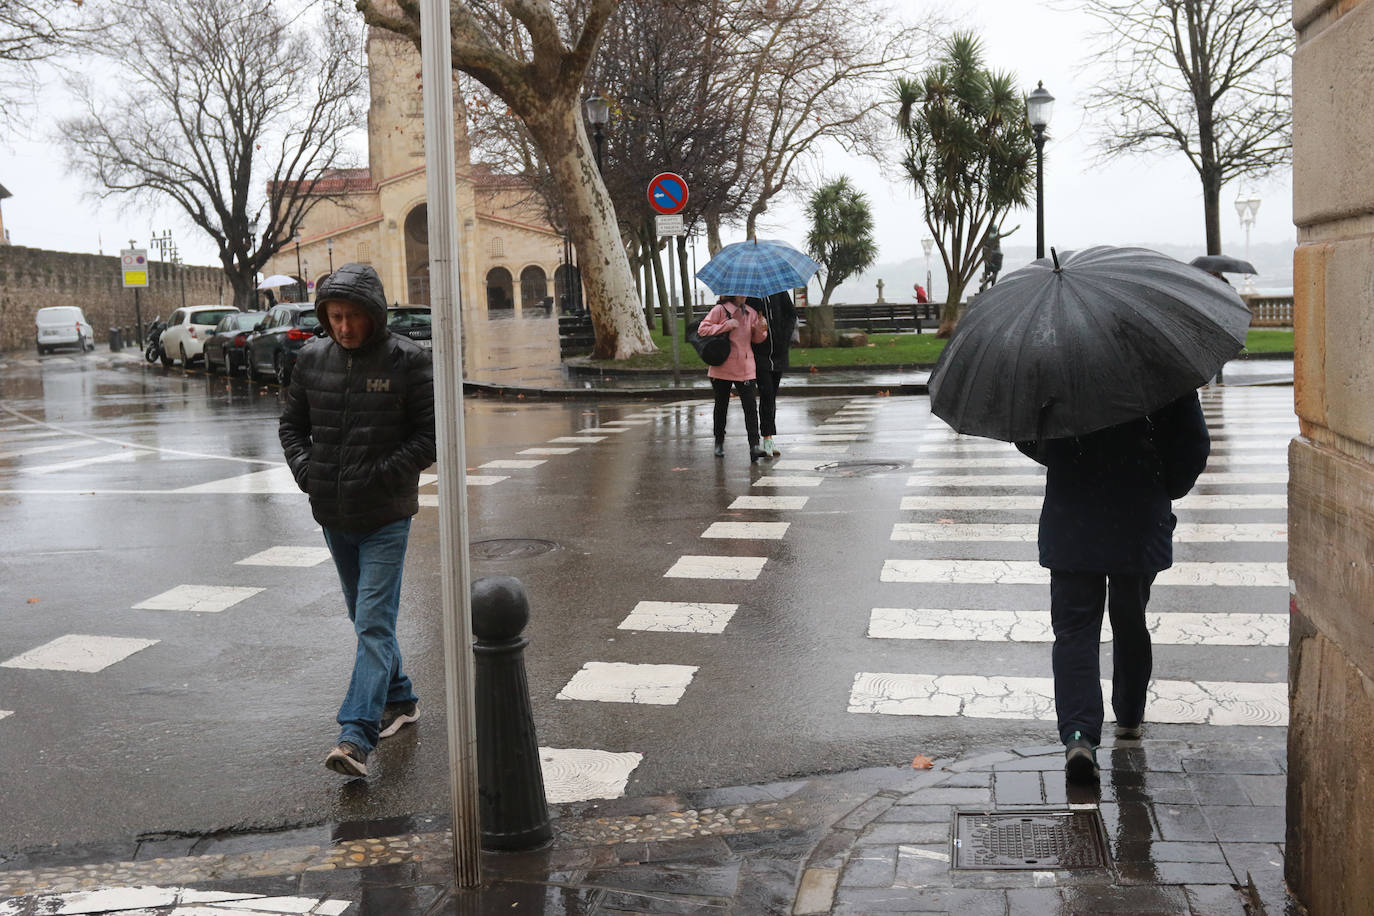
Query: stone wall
{"points": [[1330, 848], [32, 278]]}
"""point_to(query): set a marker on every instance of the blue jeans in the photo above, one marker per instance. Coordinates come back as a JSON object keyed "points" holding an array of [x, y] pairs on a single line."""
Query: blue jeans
{"points": [[370, 565]]}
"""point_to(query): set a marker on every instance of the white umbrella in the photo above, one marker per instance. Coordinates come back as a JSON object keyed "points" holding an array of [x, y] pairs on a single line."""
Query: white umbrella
{"points": [[276, 280]]}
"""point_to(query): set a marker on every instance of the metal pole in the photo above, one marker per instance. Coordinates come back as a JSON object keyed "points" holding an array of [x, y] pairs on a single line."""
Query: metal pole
{"points": [[675, 277], [1039, 141], [455, 573]]}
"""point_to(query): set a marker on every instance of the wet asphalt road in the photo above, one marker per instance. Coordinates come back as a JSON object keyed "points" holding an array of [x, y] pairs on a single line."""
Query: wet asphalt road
{"points": [[223, 723]]}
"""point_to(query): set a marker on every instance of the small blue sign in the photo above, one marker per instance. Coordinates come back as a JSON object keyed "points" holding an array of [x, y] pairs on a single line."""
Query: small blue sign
{"points": [[668, 193]]}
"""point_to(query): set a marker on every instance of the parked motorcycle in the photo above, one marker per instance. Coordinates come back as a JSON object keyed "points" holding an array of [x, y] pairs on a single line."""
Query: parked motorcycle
{"points": [[153, 351]]}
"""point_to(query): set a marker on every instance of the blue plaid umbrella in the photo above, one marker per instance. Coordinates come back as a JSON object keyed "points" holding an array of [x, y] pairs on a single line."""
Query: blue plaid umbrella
{"points": [[757, 268]]}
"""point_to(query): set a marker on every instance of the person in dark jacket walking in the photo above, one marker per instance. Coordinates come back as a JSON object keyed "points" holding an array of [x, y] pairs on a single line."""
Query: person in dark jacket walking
{"points": [[1106, 531], [770, 361], [357, 430]]}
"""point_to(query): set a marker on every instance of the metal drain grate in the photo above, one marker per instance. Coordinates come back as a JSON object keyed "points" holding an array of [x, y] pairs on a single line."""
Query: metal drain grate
{"points": [[1029, 840], [510, 548], [859, 468]]}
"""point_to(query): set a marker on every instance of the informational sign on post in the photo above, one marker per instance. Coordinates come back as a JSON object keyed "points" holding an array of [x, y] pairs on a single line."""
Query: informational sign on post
{"points": [[134, 262], [667, 193], [669, 225]]}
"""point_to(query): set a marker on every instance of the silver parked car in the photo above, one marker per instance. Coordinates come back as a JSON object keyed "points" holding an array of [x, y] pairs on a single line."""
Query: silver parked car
{"points": [[62, 326], [187, 329]]}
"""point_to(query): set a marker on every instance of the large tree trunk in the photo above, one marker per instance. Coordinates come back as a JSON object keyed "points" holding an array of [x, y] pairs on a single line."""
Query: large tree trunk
{"points": [[611, 299], [660, 282], [683, 276], [949, 312], [1211, 212]]}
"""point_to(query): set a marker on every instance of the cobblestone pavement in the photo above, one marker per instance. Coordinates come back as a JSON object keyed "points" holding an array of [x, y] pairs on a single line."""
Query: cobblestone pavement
{"points": [[1190, 827]]}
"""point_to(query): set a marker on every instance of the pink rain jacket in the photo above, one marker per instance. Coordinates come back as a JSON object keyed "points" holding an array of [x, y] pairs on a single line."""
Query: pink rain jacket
{"points": [[749, 329]]}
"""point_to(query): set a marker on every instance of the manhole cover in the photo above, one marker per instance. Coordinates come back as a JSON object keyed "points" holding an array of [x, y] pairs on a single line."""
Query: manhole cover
{"points": [[859, 468], [510, 548], [1030, 840]]}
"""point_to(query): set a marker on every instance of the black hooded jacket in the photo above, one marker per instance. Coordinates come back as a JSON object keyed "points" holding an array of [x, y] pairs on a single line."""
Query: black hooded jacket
{"points": [[772, 354], [358, 426], [1107, 494]]}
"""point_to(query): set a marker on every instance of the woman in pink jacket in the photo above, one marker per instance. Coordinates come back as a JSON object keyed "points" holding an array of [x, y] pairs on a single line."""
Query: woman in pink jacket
{"points": [[747, 327]]}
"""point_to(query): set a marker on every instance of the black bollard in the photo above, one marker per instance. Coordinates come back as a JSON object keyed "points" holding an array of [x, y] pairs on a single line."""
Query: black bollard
{"points": [[515, 814]]}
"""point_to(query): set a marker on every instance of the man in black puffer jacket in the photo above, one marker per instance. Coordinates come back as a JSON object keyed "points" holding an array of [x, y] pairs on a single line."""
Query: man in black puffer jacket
{"points": [[1106, 531], [357, 429]]}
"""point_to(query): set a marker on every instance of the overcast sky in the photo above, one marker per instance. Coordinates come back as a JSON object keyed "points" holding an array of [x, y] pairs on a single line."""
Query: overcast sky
{"points": [[1142, 200]]}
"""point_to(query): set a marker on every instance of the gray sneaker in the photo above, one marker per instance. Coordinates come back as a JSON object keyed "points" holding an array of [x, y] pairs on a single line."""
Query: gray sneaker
{"points": [[1080, 760], [1130, 732], [347, 759], [397, 716]]}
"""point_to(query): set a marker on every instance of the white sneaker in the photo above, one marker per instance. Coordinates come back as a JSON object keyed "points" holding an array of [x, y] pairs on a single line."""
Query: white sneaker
{"points": [[770, 447]]}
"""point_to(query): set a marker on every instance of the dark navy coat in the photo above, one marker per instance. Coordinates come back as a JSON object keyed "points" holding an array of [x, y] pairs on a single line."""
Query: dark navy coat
{"points": [[1107, 494], [772, 354]]}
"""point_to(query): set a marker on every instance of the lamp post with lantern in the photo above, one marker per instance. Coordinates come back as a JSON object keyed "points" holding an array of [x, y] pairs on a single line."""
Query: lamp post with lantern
{"points": [[1247, 208], [1039, 106], [928, 243], [329, 247], [599, 115]]}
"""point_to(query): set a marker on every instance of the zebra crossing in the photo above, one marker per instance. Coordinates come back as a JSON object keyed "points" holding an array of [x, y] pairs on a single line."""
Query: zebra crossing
{"points": [[1239, 495], [974, 500]]}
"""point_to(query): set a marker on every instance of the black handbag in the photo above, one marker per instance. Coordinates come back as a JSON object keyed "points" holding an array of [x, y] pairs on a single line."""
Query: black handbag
{"points": [[714, 349]]}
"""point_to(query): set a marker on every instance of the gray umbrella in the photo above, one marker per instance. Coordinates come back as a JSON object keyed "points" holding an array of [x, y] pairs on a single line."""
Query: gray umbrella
{"points": [[1096, 338], [1222, 264]]}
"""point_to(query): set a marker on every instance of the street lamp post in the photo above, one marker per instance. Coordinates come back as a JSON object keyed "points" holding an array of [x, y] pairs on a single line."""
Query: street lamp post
{"points": [[928, 243], [599, 114], [1247, 208], [1039, 105], [305, 278], [329, 246], [300, 274]]}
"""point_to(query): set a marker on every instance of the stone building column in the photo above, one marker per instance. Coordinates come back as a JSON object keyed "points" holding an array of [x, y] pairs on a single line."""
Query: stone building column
{"points": [[1330, 848]]}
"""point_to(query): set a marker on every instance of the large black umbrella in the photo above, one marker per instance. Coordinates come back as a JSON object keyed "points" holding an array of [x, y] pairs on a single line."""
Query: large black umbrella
{"points": [[1095, 338], [1222, 264]]}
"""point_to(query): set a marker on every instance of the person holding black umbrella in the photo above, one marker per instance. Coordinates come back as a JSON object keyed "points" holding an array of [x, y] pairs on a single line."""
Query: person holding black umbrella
{"points": [[1090, 364], [1106, 531], [771, 360]]}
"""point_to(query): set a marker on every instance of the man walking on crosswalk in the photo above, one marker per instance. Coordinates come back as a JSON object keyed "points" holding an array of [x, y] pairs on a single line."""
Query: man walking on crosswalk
{"points": [[1106, 531]]}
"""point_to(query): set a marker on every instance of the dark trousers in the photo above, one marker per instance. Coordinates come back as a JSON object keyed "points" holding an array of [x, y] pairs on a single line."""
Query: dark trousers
{"points": [[1076, 604], [746, 390], [768, 402]]}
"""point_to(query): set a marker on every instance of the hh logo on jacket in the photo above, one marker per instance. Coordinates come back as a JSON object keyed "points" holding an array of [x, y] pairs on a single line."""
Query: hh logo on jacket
{"points": [[378, 384]]}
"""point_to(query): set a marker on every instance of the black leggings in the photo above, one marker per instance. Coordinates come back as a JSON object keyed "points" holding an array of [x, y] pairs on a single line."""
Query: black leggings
{"points": [[746, 389], [768, 402]]}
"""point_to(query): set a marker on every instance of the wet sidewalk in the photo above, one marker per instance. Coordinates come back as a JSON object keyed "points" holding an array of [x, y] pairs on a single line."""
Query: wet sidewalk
{"points": [[1175, 827]]}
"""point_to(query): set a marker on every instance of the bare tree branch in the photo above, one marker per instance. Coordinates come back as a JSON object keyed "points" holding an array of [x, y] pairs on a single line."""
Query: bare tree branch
{"points": [[250, 113]]}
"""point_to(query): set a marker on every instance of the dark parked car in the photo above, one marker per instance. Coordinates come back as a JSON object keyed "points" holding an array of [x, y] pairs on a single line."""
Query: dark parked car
{"points": [[411, 321], [226, 346], [279, 337]]}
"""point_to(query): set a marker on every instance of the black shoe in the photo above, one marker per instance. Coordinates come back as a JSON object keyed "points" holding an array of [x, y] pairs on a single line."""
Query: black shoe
{"points": [[347, 759], [1080, 759], [720, 448], [396, 716], [755, 453]]}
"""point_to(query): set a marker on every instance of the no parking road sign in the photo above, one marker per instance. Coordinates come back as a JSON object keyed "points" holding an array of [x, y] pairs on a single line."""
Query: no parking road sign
{"points": [[134, 262], [667, 193]]}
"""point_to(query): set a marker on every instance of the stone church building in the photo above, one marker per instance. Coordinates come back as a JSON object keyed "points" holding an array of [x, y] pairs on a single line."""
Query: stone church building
{"points": [[510, 257]]}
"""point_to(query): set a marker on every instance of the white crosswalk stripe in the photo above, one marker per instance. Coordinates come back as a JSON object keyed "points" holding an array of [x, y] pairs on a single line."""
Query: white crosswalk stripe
{"points": [[1027, 503], [984, 697], [1026, 572], [1183, 533], [964, 625]]}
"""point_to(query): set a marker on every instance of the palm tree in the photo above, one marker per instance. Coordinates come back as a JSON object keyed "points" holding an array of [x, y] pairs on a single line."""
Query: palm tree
{"points": [[841, 236], [968, 153]]}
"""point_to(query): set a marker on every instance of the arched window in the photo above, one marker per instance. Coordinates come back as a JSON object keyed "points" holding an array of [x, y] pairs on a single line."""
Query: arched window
{"points": [[417, 256], [534, 287], [500, 290]]}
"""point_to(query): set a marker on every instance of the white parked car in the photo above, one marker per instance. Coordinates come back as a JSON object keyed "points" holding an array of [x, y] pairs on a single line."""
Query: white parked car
{"points": [[187, 329], [62, 326]]}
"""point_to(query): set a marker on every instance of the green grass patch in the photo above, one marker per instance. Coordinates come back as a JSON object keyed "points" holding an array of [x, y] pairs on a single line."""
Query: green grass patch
{"points": [[882, 350], [1269, 341]]}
